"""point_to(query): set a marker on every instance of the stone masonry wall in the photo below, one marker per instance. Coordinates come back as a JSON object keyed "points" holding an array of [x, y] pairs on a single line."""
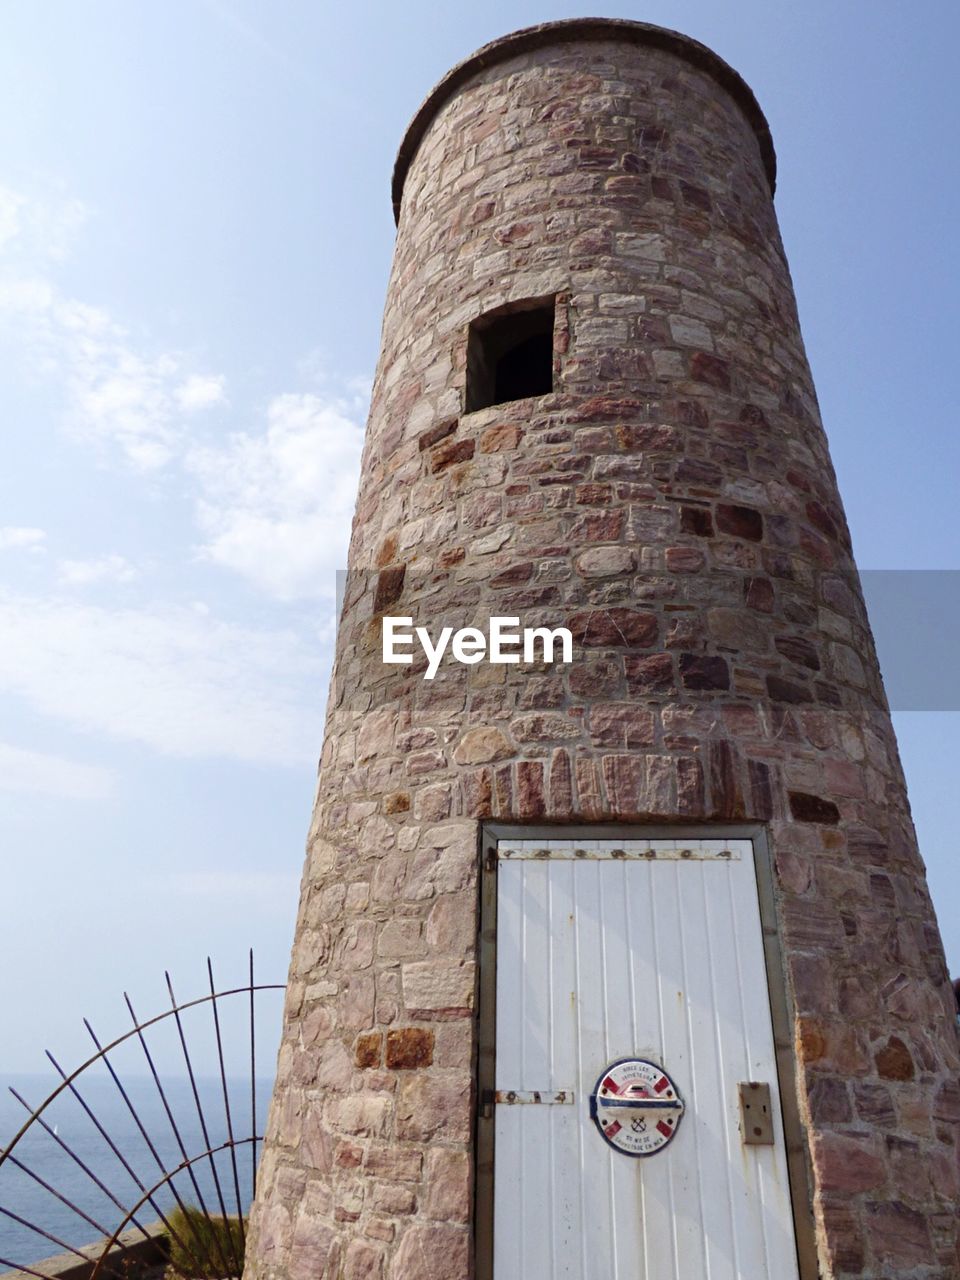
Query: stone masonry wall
{"points": [[673, 502]]}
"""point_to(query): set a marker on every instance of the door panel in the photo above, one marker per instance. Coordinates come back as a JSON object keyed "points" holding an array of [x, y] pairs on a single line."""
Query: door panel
{"points": [[648, 949]]}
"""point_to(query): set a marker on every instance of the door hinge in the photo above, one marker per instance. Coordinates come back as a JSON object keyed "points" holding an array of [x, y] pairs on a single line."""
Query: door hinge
{"points": [[489, 1098]]}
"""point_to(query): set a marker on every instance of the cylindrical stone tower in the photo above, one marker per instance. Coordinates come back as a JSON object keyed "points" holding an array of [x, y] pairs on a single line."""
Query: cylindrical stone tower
{"points": [[593, 410]]}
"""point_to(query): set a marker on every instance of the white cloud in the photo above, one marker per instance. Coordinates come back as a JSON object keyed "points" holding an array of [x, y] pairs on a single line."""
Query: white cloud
{"points": [[274, 505], [352, 394], [10, 205], [21, 537], [200, 392], [116, 394], [110, 568], [277, 507], [39, 228], [175, 681], [113, 394], [39, 773]]}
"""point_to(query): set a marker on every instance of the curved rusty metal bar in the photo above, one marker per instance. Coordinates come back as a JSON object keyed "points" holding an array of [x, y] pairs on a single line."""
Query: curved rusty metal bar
{"points": [[189, 1004], [203, 1155], [228, 1253]]}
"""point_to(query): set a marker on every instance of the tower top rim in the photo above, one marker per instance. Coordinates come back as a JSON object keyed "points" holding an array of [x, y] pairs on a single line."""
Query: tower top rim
{"points": [[576, 30]]}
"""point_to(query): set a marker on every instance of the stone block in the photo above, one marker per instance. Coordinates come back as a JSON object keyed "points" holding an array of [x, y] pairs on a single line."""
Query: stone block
{"points": [[482, 745], [368, 1049], [363, 1261], [432, 1253], [848, 1164], [409, 1048], [434, 1106], [435, 986], [362, 1115], [448, 1181], [899, 1235]]}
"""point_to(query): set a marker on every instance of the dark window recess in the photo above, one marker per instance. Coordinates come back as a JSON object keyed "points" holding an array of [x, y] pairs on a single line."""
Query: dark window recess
{"points": [[510, 356]]}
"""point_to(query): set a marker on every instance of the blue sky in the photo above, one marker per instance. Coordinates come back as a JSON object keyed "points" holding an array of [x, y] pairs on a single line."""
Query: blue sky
{"points": [[195, 236]]}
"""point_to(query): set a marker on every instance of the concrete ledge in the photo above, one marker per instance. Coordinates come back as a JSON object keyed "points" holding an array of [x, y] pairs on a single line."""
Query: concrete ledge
{"points": [[133, 1251]]}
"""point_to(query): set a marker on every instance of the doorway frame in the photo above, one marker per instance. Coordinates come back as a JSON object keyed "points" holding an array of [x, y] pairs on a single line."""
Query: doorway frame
{"points": [[782, 1013]]}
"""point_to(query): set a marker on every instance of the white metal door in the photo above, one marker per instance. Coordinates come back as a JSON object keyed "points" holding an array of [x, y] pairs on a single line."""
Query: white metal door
{"points": [[649, 949]]}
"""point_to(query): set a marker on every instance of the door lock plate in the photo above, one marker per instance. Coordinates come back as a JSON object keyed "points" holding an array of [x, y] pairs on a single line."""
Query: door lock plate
{"points": [[756, 1114]]}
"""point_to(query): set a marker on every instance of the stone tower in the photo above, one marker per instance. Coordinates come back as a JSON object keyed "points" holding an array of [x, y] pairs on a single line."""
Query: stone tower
{"points": [[651, 472]]}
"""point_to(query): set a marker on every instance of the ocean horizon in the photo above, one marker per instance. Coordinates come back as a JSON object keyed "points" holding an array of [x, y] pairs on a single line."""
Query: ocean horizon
{"points": [[219, 1182]]}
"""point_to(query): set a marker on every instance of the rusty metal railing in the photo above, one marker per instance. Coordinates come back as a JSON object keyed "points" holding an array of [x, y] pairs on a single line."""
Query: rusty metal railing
{"points": [[122, 1210]]}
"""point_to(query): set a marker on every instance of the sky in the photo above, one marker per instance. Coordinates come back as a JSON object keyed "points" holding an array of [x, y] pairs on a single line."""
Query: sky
{"points": [[195, 239]]}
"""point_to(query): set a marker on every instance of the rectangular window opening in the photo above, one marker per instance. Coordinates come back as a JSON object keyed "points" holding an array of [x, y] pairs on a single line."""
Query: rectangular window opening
{"points": [[510, 354]]}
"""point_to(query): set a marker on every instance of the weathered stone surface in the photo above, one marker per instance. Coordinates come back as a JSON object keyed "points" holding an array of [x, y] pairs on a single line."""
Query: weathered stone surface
{"points": [[375, 735], [366, 1115], [315, 1249], [673, 502], [613, 627], [440, 432], [848, 1164], [398, 1164], [541, 727], [448, 1186], [409, 1047], [368, 1049], [653, 674], [829, 1102], [431, 1253], [844, 1244], [781, 690], [603, 562], [451, 925], [740, 522], [703, 672], [696, 521], [430, 986], [401, 938], [482, 745], [899, 1235], [807, 808], [394, 1200], [875, 1105], [451, 451], [389, 588], [505, 436], [894, 1061], [434, 1106], [363, 1261]]}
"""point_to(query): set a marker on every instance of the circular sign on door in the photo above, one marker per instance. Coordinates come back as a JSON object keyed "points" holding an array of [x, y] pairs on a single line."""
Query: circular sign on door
{"points": [[636, 1106]]}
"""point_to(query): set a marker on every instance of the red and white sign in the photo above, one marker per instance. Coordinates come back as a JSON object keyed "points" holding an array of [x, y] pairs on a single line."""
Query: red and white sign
{"points": [[636, 1107]]}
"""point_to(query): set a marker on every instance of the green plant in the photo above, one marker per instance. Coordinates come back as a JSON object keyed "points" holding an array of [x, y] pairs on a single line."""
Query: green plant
{"points": [[207, 1248]]}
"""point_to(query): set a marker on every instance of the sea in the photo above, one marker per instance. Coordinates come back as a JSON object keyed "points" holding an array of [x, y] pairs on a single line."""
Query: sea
{"points": [[64, 1184]]}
